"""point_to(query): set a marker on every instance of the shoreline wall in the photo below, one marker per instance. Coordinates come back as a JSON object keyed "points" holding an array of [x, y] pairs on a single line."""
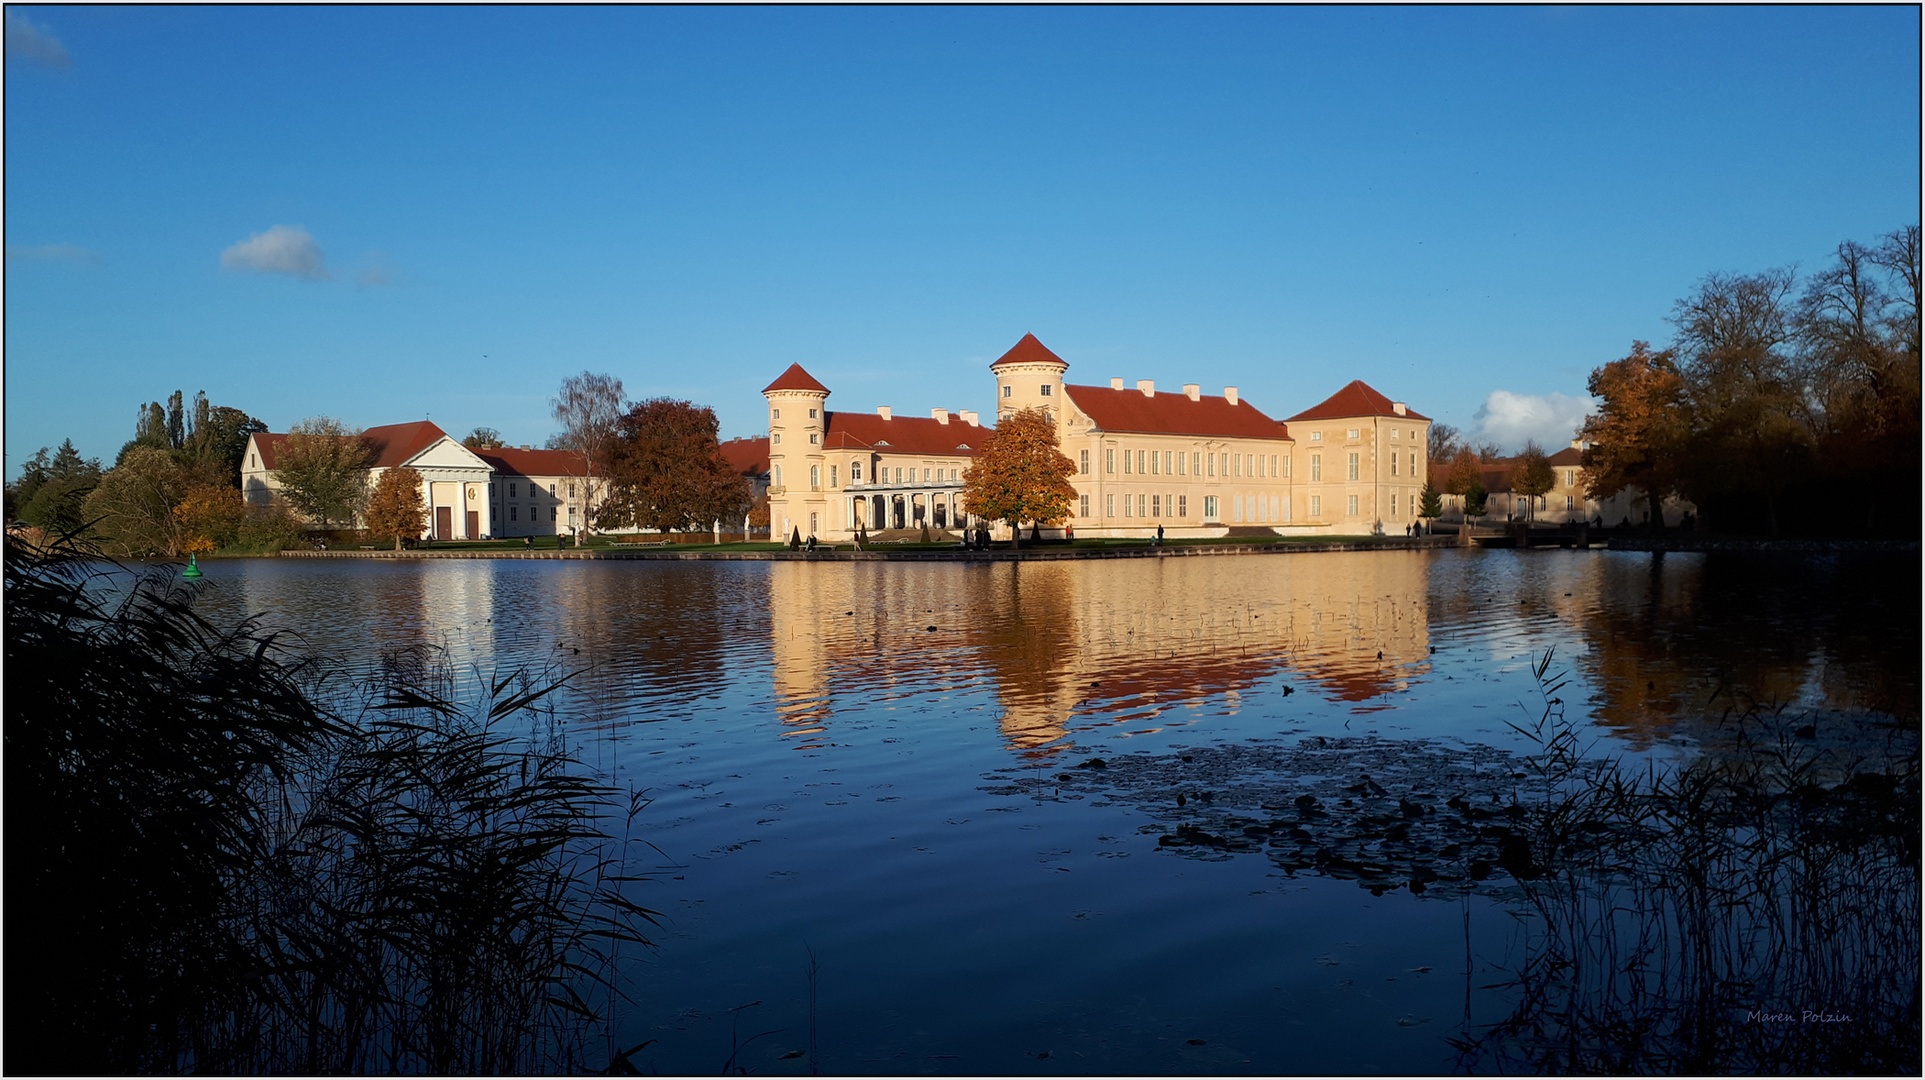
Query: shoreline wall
{"points": [[1400, 543]]}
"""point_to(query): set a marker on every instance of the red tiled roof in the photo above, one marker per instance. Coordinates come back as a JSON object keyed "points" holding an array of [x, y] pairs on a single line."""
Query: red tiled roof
{"points": [[1029, 351], [1173, 414], [534, 462], [750, 457], [1357, 399], [795, 379], [393, 444], [1497, 475], [903, 434], [1570, 455]]}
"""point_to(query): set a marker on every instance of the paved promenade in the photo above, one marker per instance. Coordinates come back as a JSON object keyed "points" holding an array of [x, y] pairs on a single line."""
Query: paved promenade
{"points": [[884, 554]]}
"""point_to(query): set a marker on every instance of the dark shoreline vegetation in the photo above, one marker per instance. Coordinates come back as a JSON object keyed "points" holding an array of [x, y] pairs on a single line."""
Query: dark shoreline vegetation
{"points": [[1659, 909], [213, 868]]}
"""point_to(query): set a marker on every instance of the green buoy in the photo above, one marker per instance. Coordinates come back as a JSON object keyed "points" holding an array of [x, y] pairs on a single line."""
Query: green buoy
{"points": [[193, 568]]}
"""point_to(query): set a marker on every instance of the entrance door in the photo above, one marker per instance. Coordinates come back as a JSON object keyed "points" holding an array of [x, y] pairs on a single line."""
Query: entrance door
{"points": [[444, 522], [474, 525]]}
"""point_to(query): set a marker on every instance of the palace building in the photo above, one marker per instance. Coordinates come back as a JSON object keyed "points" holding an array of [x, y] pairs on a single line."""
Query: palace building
{"points": [[1194, 464]]}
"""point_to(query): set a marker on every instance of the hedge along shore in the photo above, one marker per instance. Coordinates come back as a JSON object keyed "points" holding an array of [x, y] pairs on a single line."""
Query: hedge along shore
{"points": [[1398, 543]]}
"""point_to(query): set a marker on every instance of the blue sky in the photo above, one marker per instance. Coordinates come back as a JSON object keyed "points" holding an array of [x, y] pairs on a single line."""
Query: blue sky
{"points": [[381, 214]]}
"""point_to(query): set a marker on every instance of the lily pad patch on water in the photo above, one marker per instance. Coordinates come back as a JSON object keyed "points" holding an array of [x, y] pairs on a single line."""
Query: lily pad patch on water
{"points": [[1432, 818]]}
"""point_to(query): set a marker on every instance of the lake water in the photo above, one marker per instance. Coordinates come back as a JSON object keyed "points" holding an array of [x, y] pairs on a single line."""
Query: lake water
{"points": [[886, 766]]}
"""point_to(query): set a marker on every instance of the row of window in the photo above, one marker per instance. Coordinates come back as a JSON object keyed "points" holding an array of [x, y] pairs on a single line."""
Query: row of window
{"points": [[929, 476], [776, 414], [534, 489], [1194, 463], [1357, 433], [1177, 463], [534, 513], [1251, 508]]}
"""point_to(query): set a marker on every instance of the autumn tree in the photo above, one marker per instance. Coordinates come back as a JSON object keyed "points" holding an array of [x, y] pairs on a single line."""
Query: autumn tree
{"points": [[1488, 451], [1636, 436], [589, 409], [395, 508], [133, 505], [1532, 475], [321, 468], [667, 470], [483, 438], [1021, 474], [210, 517], [1465, 470]]}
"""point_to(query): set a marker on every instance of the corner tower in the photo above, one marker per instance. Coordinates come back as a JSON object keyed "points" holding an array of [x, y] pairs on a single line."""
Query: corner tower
{"points": [[1029, 376], [798, 418]]}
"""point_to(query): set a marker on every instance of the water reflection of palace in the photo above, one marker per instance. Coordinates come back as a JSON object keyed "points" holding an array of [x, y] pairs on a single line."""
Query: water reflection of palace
{"points": [[1068, 646]]}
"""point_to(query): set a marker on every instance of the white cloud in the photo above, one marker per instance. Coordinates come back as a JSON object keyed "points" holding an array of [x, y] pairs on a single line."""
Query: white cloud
{"points": [[1552, 419], [67, 253], [283, 249], [34, 44]]}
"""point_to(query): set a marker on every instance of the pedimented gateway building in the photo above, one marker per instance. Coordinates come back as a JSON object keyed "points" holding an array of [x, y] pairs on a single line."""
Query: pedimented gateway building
{"points": [[1195, 464]]}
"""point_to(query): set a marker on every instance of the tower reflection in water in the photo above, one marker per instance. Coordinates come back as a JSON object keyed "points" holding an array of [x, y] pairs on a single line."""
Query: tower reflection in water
{"points": [[1134, 645]]}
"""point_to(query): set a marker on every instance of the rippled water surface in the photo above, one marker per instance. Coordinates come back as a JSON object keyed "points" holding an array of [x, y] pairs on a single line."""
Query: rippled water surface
{"points": [[886, 764]]}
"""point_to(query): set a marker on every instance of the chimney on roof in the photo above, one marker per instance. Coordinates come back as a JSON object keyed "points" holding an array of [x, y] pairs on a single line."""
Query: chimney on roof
{"points": [[1397, 407], [883, 411], [968, 416], [941, 415], [1230, 394], [525, 446], [1148, 386], [1116, 384], [1193, 391]]}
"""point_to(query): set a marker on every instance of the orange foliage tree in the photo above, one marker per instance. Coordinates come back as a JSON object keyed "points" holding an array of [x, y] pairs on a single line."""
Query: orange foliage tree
{"points": [[1637, 433], [1021, 475], [395, 509], [209, 517]]}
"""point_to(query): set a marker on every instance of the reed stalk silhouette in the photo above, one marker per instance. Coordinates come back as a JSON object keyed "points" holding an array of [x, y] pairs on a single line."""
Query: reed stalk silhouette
{"points": [[215, 867], [1753, 911]]}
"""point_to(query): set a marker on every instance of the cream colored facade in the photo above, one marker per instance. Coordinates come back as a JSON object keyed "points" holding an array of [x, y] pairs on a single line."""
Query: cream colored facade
{"points": [[454, 480], [1190, 463], [830, 472]]}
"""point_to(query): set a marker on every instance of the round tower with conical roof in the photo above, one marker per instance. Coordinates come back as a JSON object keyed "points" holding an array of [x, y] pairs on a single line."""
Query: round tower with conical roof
{"points": [[1029, 376], [798, 421]]}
